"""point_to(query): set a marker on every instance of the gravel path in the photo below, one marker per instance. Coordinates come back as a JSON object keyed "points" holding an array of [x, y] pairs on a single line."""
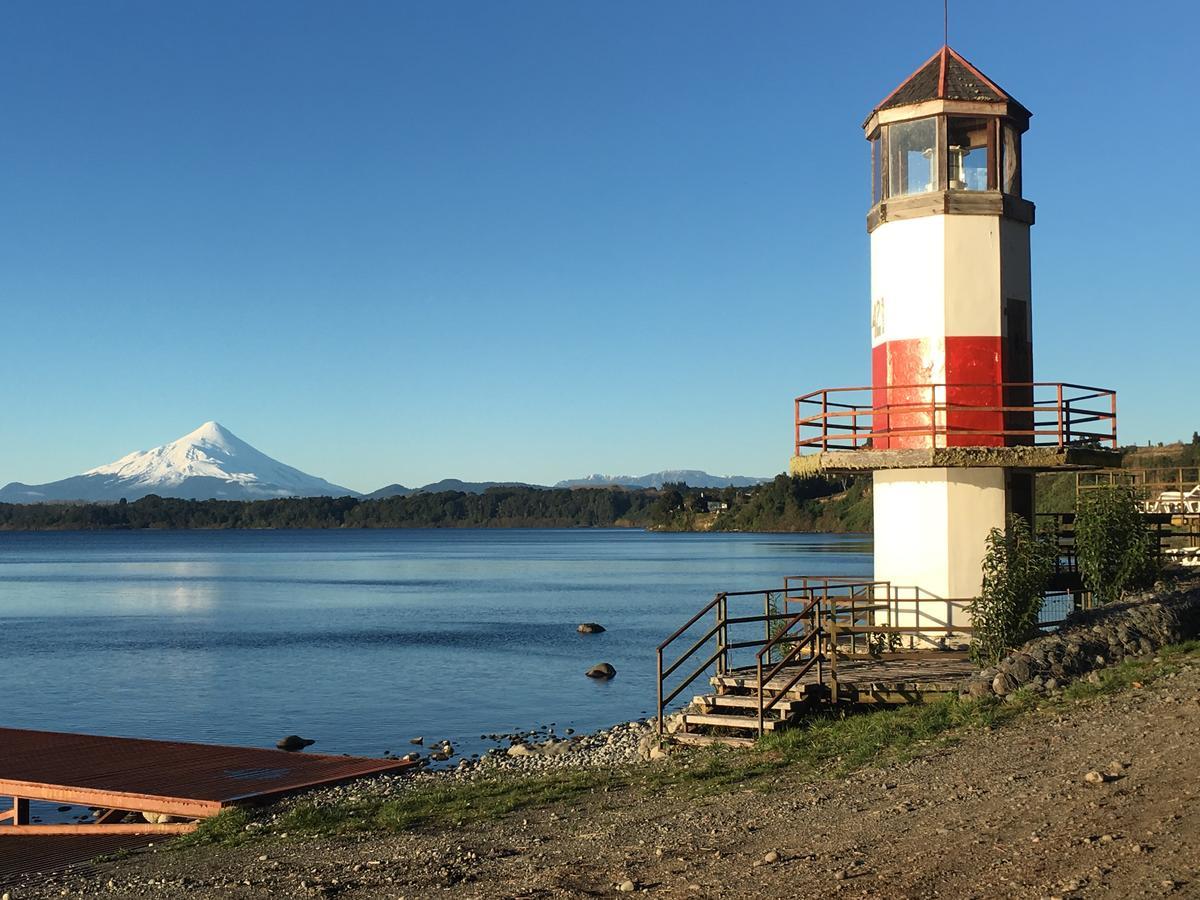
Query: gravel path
{"points": [[1004, 813]]}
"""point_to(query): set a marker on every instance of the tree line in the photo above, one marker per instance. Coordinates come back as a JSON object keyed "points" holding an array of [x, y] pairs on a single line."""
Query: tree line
{"points": [[496, 507], [785, 504]]}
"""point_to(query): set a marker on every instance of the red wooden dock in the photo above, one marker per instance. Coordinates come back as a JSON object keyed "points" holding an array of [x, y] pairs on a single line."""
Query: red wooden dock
{"points": [[117, 777]]}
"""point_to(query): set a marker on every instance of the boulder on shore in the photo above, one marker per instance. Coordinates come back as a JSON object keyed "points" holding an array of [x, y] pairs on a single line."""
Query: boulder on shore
{"points": [[293, 743], [601, 670], [590, 628]]}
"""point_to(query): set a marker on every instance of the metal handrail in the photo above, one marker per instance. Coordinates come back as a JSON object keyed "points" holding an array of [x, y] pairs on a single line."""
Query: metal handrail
{"points": [[825, 601], [811, 611], [1052, 421], [719, 630]]}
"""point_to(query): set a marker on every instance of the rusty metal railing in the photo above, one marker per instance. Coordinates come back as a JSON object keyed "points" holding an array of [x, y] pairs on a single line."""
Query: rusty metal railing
{"points": [[1054, 414], [835, 614], [719, 632]]}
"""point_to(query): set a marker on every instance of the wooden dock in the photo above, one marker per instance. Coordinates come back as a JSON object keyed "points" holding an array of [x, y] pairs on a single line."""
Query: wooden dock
{"points": [[128, 782]]}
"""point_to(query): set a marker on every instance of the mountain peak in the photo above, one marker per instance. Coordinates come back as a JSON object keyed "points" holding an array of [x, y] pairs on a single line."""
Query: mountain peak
{"points": [[208, 462], [210, 432]]}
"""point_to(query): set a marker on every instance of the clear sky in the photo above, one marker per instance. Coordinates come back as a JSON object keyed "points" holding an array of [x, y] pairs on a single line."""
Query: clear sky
{"points": [[395, 242]]}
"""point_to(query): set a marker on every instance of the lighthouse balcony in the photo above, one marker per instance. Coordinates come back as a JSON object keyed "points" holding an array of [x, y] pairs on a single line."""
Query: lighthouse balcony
{"points": [[1030, 426]]}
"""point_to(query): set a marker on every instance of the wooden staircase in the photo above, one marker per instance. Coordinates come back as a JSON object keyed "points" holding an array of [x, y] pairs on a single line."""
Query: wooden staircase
{"points": [[817, 641], [732, 717]]}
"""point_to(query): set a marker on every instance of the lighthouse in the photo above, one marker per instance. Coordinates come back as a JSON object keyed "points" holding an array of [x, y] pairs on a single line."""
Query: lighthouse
{"points": [[953, 426]]}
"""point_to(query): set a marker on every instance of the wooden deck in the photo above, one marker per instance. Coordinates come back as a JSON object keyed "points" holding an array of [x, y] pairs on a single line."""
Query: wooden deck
{"points": [[116, 777], [895, 679]]}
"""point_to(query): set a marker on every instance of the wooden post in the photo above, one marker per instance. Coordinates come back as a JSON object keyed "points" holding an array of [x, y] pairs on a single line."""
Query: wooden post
{"points": [[20, 811]]}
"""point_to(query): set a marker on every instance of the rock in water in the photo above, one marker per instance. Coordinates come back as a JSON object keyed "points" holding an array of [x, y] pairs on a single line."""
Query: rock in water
{"points": [[294, 742], [601, 670], [590, 628]]}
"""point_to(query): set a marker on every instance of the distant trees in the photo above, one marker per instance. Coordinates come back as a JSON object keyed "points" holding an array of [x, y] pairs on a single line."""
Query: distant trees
{"points": [[785, 504], [497, 507]]}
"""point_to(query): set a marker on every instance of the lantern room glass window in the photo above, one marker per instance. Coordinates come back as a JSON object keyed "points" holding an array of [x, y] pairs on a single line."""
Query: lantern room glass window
{"points": [[967, 153], [912, 157]]}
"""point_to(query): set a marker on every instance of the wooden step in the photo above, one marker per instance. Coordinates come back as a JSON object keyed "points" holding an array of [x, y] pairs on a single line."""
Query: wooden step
{"points": [[709, 740], [732, 721], [747, 686], [747, 702]]}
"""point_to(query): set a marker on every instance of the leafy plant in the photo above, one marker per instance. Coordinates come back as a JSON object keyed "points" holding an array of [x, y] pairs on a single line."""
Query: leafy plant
{"points": [[881, 642], [1016, 569], [1115, 549]]}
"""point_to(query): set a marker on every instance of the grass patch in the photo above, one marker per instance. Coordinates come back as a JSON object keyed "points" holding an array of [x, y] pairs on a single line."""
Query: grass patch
{"points": [[1142, 670], [226, 827], [834, 744], [827, 745], [445, 805]]}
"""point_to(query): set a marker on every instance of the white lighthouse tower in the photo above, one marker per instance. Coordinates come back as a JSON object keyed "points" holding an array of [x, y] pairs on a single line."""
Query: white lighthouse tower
{"points": [[953, 425]]}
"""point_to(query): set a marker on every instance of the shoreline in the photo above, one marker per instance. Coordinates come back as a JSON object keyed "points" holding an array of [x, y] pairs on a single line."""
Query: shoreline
{"points": [[998, 802]]}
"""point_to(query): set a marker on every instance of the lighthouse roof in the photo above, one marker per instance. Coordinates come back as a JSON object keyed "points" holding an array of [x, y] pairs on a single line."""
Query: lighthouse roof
{"points": [[947, 76]]}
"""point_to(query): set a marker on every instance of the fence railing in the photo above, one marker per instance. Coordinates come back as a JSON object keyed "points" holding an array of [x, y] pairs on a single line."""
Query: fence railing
{"points": [[807, 625], [1171, 490], [1055, 414]]}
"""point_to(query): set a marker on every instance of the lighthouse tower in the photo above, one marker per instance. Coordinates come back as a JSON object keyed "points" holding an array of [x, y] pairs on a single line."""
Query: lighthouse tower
{"points": [[953, 425]]}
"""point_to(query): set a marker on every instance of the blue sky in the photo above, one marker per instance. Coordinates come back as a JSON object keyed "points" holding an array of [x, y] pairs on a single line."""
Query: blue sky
{"points": [[387, 241]]}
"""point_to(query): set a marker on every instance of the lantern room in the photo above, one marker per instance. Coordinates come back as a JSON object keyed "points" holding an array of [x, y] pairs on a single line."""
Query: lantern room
{"points": [[947, 133]]}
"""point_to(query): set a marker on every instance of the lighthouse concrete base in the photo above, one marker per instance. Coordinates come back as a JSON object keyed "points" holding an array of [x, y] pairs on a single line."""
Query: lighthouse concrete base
{"points": [[931, 528]]}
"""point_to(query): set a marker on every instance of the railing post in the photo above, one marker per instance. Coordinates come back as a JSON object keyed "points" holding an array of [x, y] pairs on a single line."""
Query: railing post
{"points": [[824, 420], [723, 634], [660, 692], [817, 649], [797, 428], [853, 624], [1112, 399], [767, 616], [833, 679], [1059, 413], [761, 729]]}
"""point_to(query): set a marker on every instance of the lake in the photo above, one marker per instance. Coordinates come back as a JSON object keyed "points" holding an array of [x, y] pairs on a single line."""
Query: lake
{"points": [[360, 639]]}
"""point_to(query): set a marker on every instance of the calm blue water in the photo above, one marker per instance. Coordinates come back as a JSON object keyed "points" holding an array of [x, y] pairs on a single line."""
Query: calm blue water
{"points": [[359, 639]]}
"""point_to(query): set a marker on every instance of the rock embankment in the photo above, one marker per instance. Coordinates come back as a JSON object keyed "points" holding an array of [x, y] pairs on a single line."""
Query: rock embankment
{"points": [[1092, 639]]}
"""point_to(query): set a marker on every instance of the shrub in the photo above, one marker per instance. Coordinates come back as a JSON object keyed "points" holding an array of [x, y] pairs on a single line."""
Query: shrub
{"points": [[1115, 548], [1016, 569]]}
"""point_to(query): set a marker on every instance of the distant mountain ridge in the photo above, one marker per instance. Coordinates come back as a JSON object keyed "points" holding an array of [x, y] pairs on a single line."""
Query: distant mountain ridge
{"points": [[208, 463], [447, 484], [212, 463], [691, 477]]}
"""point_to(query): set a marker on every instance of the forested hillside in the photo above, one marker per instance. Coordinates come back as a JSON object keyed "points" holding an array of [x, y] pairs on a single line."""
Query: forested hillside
{"points": [[785, 504]]}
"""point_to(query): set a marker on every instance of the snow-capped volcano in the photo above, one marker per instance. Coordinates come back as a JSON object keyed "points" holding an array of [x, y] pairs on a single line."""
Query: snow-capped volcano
{"points": [[210, 462]]}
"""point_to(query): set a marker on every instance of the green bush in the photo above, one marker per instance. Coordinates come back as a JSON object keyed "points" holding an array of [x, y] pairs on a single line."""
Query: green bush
{"points": [[1115, 549], [1016, 569]]}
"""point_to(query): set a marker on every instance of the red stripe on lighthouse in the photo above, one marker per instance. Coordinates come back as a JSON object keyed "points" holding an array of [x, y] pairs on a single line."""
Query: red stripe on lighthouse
{"points": [[915, 416]]}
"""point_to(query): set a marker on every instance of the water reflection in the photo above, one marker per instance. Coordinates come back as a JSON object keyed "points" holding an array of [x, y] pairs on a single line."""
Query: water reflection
{"points": [[242, 637]]}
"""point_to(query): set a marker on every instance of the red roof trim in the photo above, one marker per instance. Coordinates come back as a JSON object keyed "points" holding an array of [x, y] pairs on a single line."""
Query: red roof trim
{"points": [[942, 71], [974, 71]]}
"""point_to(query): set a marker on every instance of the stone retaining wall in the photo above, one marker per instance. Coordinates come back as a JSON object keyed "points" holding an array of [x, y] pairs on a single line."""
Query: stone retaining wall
{"points": [[1094, 638]]}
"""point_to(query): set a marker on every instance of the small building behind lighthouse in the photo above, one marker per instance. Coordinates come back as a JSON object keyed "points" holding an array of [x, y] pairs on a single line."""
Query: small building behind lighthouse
{"points": [[953, 425]]}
